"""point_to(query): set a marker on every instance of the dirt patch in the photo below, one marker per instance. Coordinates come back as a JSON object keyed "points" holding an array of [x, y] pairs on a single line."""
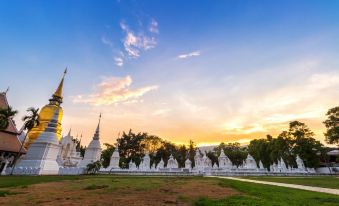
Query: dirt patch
{"points": [[182, 192]]}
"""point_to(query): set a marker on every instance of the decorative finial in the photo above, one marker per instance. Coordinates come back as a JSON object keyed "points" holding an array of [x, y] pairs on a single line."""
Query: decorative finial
{"points": [[97, 131], [7, 90], [69, 132]]}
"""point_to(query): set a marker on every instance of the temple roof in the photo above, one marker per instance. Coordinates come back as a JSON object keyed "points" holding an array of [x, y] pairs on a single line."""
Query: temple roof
{"points": [[9, 140]]}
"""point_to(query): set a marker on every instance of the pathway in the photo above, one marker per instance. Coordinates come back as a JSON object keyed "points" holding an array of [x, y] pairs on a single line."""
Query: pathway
{"points": [[302, 187]]}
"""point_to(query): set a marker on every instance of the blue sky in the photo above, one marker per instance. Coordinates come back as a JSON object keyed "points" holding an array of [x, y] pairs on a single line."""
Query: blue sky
{"points": [[209, 71]]}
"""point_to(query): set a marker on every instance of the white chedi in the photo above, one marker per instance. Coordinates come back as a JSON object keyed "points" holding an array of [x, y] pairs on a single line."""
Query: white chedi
{"points": [[93, 151], [115, 159], [261, 166], [300, 163], [197, 159], [132, 166], [282, 166], [188, 164], [161, 164], [41, 157], [224, 161], [146, 163], [172, 163], [68, 155], [250, 163], [206, 162]]}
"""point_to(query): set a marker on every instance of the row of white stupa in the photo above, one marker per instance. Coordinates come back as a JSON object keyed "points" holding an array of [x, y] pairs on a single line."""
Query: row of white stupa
{"points": [[204, 165], [62, 158]]}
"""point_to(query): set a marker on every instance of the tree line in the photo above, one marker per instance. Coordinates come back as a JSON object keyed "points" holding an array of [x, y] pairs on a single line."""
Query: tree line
{"points": [[297, 140]]}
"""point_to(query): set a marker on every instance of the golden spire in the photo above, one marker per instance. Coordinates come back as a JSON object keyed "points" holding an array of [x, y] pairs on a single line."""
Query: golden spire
{"points": [[58, 92], [57, 96]]}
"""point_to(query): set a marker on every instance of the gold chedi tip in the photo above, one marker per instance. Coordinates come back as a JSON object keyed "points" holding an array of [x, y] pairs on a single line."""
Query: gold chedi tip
{"points": [[57, 96]]}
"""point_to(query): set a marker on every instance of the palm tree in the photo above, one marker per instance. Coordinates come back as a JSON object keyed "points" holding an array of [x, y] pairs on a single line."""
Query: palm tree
{"points": [[5, 115], [30, 121]]}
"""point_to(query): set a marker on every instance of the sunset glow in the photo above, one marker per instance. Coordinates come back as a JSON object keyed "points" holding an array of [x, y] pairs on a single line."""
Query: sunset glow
{"points": [[243, 71]]}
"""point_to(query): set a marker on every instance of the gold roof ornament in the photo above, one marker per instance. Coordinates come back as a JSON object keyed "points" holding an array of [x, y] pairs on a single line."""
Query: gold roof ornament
{"points": [[57, 96]]}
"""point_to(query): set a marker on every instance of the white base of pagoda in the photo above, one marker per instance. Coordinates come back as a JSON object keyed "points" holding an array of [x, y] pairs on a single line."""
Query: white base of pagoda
{"points": [[41, 159]]}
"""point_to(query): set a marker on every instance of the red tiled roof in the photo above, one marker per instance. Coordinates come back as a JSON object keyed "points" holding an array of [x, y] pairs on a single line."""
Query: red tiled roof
{"points": [[9, 140]]}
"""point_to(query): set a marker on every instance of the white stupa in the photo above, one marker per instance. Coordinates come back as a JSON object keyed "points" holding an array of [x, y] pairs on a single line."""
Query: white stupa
{"points": [[93, 151], [172, 163], [188, 164], [161, 164], [146, 163], [250, 163], [115, 158], [41, 157], [224, 161]]}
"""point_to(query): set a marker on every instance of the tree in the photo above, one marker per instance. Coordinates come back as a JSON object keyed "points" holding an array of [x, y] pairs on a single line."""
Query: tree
{"points": [[106, 154], [234, 152], [131, 147], [93, 168], [31, 120], [79, 147], [304, 144], [5, 115], [260, 150], [192, 148], [332, 125]]}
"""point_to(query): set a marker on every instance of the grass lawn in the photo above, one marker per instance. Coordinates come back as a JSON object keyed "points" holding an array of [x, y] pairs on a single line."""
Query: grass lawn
{"points": [[319, 181], [132, 190]]}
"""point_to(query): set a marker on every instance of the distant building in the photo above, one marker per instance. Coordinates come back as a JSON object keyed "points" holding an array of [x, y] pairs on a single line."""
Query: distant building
{"points": [[9, 139]]}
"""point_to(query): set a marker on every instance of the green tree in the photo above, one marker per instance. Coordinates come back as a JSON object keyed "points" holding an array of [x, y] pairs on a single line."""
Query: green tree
{"points": [[79, 147], [304, 144], [332, 125], [31, 120], [106, 154], [131, 147], [234, 152], [212, 155], [5, 115], [93, 168], [260, 150], [192, 148]]}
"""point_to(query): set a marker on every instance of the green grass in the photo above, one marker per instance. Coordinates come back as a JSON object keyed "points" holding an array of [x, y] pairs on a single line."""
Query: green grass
{"points": [[251, 194], [15, 181], [266, 195], [327, 181]]}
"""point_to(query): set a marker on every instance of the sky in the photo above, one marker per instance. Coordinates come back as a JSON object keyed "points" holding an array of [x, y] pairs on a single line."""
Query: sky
{"points": [[210, 71]]}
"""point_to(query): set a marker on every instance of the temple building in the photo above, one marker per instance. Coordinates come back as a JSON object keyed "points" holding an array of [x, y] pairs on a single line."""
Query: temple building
{"points": [[93, 151], [9, 139], [47, 113], [68, 154], [41, 157]]}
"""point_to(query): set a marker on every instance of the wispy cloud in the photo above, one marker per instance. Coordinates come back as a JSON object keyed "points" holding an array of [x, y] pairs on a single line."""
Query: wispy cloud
{"points": [[114, 90], [154, 26], [106, 41], [119, 61], [134, 43], [188, 55]]}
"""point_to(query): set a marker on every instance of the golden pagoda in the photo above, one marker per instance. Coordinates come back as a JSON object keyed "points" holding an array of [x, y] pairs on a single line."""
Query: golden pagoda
{"points": [[47, 113]]}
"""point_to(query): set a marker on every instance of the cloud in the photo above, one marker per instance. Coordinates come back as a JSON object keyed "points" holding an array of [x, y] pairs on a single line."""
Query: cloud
{"points": [[114, 90], [188, 55], [106, 41], [154, 26], [134, 43], [308, 99], [119, 61]]}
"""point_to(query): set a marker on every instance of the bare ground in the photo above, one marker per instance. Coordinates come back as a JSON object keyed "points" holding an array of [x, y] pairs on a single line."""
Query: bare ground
{"points": [[167, 192]]}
